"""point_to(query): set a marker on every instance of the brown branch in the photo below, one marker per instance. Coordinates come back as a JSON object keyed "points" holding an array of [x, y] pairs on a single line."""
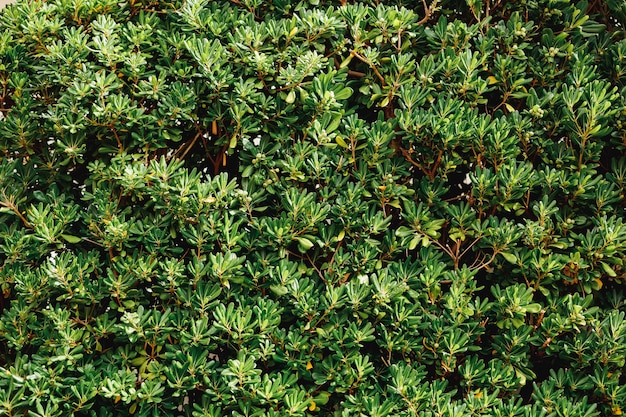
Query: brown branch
{"points": [[113, 271], [428, 11], [189, 144], [11, 206], [407, 155], [484, 264], [319, 272], [120, 147], [370, 64], [476, 240], [220, 158], [356, 74]]}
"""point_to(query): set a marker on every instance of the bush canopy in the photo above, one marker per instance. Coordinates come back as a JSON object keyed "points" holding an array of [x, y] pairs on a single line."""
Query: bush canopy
{"points": [[313, 208]]}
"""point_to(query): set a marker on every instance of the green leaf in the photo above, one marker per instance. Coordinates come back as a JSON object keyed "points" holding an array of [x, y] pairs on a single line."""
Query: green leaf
{"points": [[341, 142], [70, 238], [233, 141], [304, 244], [343, 94], [511, 258], [517, 322], [346, 61], [279, 289], [322, 398], [533, 308], [608, 270]]}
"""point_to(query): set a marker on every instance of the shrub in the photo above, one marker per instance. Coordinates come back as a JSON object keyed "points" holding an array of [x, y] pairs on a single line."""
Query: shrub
{"points": [[309, 208]]}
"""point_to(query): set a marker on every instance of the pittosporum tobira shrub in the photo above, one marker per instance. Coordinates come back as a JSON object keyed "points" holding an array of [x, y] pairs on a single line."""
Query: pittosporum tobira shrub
{"points": [[314, 208]]}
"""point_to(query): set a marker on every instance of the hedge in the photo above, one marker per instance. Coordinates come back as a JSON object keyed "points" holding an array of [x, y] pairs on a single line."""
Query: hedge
{"points": [[312, 208]]}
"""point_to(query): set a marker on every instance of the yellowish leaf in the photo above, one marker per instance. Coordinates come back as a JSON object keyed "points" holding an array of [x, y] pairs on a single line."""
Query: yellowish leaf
{"points": [[341, 142]]}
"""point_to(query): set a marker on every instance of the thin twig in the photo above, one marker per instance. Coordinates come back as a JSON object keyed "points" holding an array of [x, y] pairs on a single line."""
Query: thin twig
{"points": [[11, 206], [428, 11], [191, 144], [470, 246], [356, 74], [370, 64], [319, 273]]}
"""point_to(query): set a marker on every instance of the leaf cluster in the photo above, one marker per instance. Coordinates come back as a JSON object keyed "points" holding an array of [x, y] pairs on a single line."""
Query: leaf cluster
{"points": [[306, 208]]}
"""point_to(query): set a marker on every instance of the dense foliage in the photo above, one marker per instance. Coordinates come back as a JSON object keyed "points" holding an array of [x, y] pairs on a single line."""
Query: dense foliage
{"points": [[213, 208]]}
